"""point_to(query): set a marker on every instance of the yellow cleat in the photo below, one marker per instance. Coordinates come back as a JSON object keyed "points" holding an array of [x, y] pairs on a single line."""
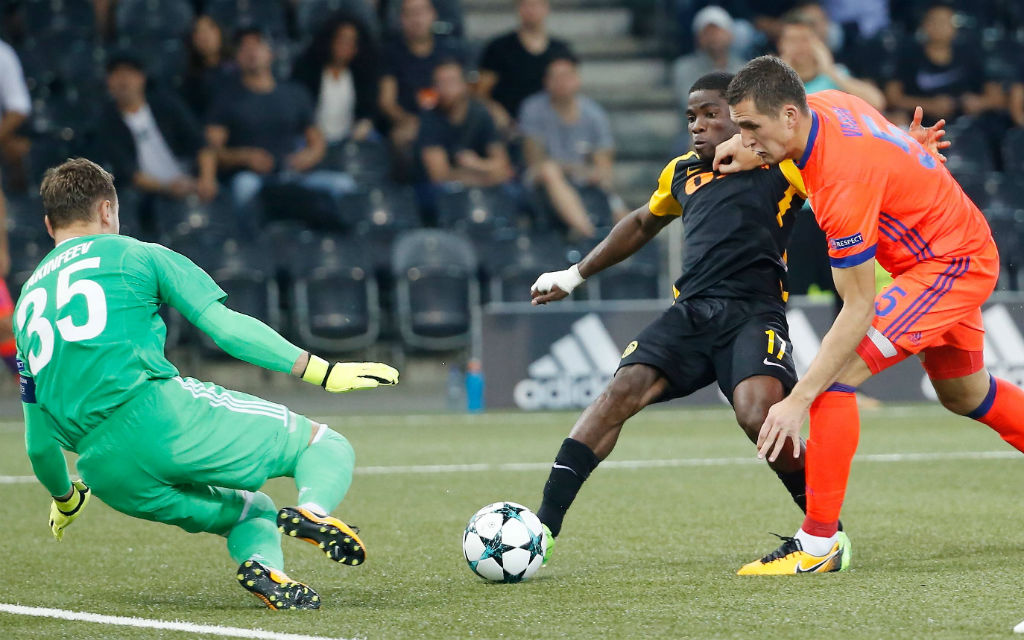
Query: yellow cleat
{"points": [[790, 558]]}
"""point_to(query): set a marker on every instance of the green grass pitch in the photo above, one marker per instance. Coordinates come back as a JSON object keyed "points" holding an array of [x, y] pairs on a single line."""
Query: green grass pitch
{"points": [[645, 552]]}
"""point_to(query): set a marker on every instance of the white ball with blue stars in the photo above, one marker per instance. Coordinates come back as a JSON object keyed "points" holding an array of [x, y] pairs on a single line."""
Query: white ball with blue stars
{"points": [[504, 542]]}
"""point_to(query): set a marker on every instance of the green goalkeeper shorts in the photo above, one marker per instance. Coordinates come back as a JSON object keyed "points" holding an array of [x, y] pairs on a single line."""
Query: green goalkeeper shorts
{"points": [[177, 452]]}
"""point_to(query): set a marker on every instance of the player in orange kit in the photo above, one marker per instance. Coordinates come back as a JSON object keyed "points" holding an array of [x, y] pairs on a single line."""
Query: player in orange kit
{"points": [[878, 195]]}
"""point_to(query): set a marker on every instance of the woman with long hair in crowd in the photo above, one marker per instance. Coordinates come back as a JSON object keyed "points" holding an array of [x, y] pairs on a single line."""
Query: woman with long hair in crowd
{"points": [[210, 64], [340, 70]]}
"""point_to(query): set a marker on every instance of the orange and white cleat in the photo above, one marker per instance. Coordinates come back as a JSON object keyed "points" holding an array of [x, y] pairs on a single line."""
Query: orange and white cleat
{"points": [[338, 540], [274, 588]]}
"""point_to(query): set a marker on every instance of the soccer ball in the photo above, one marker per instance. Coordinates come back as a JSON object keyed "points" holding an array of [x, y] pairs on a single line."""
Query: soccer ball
{"points": [[504, 542]]}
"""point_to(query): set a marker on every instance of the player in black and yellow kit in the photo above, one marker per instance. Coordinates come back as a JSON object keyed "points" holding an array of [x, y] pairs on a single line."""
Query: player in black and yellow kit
{"points": [[728, 322]]}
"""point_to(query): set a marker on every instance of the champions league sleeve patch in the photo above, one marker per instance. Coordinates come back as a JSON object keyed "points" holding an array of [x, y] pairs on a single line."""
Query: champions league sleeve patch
{"points": [[837, 244], [27, 384]]}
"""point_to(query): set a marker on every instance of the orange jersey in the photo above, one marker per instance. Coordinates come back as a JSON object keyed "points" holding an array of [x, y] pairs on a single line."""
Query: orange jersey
{"points": [[876, 192]]}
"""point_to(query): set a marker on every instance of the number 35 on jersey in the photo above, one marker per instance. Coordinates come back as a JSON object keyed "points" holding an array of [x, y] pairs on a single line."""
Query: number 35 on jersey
{"points": [[46, 320]]}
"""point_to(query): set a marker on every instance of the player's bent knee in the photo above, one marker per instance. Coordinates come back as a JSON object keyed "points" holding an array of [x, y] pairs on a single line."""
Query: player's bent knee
{"points": [[259, 506], [751, 417], [338, 443], [960, 402], [963, 394]]}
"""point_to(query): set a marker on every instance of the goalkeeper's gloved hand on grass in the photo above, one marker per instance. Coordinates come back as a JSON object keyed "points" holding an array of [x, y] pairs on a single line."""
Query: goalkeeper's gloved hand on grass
{"points": [[64, 512], [346, 376]]}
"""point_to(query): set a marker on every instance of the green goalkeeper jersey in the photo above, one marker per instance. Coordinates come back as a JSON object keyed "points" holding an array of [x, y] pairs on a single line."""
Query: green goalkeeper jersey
{"points": [[88, 330]]}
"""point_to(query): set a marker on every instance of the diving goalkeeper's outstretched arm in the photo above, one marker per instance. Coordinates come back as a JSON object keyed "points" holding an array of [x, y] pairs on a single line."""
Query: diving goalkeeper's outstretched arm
{"points": [[249, 339], [626, 238]]}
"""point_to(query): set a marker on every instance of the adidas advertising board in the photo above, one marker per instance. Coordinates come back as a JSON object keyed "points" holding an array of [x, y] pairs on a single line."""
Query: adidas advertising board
{"points": [[549, 358]]}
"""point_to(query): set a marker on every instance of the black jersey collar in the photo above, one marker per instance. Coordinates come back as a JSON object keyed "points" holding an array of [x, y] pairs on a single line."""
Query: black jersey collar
{"points": [[811, 137]]}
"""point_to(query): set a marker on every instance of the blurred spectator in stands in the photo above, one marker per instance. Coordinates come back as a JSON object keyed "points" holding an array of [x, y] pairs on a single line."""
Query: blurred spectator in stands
{"points": [[768, 16], [339, 68], [713, 30], [150, 138], [568, 144], [867, 17], [15, 107], [1017, 101], [945, 78], [262, 129], [802, 48], [210, 66], [829, 32], [458, 140], [406, 85], [512, 66]]}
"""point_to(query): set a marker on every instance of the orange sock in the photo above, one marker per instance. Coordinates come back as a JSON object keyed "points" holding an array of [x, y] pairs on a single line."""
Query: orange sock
{"points": [[835, 429], [1001, 410]]}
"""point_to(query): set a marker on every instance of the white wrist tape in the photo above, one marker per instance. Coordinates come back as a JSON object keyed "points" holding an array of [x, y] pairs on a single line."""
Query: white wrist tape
{"points": [[566, 280]]}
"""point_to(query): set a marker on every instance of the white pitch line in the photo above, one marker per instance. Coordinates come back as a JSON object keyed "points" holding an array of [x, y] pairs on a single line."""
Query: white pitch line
{"points": [[16, 479], [679, 462], [637, 464], [145, 623]]}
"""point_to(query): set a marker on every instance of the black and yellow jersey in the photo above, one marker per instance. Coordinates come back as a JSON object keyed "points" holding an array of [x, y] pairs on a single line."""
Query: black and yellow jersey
{"points": [[737, 226]]}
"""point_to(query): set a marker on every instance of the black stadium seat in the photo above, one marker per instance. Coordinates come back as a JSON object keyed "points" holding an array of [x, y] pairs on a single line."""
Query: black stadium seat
{"points": [[1013, 151], [436, 290], [68, 19], [163, 58], [974, 185], [971, 150], [512, 262], [242, 272], [635, 278], [335, 297], [154, 18], [464, 209], [393, 210], [243, 14], [310, 15], [368, 162]]}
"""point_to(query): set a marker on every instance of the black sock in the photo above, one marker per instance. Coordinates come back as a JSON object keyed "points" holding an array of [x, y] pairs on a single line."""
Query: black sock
{"points": [[573, 464], [796, 484]]}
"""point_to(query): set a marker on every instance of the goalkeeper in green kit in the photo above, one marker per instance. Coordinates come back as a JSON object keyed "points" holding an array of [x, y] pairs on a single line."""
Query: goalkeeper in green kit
{"points": [[154, 445]]}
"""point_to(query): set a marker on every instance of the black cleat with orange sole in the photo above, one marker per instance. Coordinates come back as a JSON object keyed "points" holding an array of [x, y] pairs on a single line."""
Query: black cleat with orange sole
{"points": [[338, 540], [274, 588]]}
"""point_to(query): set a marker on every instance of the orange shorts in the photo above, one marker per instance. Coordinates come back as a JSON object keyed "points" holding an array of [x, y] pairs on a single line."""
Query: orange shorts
{"points": [[934, 309]]}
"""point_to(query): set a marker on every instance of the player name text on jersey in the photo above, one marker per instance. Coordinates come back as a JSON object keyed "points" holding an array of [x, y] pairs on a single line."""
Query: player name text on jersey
{"points": [[61, 258]]}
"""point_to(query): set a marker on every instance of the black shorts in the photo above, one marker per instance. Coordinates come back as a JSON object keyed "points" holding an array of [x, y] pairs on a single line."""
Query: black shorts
{"points": [[701, 340]]}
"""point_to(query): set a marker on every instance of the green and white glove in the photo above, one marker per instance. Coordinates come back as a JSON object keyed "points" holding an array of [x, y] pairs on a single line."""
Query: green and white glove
{"points": [[64, 512], [346, 376]]}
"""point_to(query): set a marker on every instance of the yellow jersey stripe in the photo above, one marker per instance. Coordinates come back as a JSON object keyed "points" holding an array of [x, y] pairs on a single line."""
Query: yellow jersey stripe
{"points": [[662, 202], [793, 176]]}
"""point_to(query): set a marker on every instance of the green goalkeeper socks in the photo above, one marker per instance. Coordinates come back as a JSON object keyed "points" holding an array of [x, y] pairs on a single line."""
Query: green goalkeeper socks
{"points": [[255, 535], [323, 472]]}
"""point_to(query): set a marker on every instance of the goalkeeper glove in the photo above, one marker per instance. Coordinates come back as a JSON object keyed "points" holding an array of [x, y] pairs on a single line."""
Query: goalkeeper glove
{"points": [[566, 280], [346, 376], [64, 512]]}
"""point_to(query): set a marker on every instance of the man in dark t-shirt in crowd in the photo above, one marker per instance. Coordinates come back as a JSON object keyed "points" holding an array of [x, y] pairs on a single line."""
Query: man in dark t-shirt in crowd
{"points": [[406, 84], [262, 129], [513, 65], [945, 78], [458, 145], [458, 140]]}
